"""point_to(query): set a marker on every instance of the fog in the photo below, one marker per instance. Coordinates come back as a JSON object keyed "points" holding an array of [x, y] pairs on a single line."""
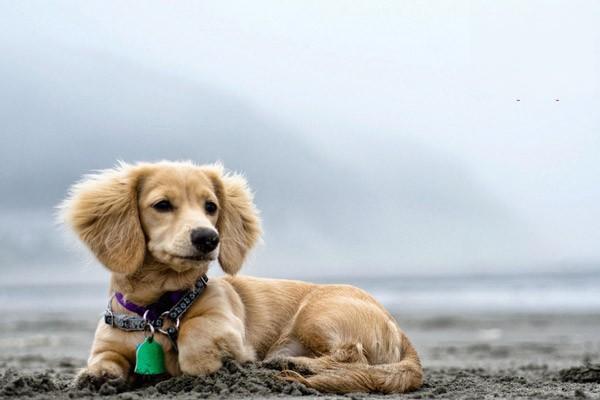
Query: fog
{"points": [[379, 137]]}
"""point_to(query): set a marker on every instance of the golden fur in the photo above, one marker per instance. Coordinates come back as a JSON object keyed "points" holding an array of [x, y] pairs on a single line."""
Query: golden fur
{"points": [[335, 338]]}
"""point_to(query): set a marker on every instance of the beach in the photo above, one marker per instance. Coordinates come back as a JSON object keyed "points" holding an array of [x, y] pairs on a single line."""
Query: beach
{"points": [[441, 156], [469, 356]]}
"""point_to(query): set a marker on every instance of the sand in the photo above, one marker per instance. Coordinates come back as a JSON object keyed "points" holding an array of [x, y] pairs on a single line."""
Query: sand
{"points": [[253, 380], [465, 357]]}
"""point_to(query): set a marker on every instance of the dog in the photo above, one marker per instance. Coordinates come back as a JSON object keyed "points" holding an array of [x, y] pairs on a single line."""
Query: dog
{"points": [[157, 226]]}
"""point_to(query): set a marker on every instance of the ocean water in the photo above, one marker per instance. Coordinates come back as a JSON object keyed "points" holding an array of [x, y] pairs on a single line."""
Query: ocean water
{"points": [[525, 293], [540, 293], [42, 269]]}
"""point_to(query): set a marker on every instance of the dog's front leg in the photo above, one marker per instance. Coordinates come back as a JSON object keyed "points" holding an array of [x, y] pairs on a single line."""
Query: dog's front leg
{"points": [[206, 340], [111, 359]]}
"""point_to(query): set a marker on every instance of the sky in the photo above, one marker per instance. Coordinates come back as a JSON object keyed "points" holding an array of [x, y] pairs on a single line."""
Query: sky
{"points": [[476, 123]]}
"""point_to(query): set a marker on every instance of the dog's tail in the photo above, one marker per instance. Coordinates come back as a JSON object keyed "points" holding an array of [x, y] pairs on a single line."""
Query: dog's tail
{"points": [[347, 370]]}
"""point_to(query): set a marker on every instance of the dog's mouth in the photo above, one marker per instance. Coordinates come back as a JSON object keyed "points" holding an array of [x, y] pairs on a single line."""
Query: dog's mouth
{"points": [[199, 257]]}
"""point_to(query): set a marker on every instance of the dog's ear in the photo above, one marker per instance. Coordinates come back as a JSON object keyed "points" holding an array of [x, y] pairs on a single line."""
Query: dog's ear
{"points": [[103, 211], [238, 222]]}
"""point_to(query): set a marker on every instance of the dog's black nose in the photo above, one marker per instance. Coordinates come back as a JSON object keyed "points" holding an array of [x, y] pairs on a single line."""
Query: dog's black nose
{"points": [[205, 239]]}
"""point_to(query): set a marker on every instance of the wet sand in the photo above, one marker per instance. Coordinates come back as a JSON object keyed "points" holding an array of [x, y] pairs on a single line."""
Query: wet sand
{"points": [[465, 357]]}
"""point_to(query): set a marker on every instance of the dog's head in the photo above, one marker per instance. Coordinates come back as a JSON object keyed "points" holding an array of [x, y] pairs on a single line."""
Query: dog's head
{"points": [[177, 213]]}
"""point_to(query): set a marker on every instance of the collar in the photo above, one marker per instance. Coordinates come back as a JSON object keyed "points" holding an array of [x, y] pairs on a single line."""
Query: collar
{"points": [[170, 307], [166, 303]]}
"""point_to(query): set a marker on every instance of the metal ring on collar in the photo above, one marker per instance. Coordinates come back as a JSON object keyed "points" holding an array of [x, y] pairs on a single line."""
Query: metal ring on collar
{"points": [[168, 314], [149, 325], [164, 331]]}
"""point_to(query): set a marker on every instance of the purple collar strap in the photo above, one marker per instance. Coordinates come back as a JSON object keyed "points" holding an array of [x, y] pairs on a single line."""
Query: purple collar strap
{"points": [[154, 310]]}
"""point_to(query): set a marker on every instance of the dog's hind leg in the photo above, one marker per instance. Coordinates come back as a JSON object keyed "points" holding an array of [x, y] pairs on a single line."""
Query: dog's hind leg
{"points": [[346, 370]]}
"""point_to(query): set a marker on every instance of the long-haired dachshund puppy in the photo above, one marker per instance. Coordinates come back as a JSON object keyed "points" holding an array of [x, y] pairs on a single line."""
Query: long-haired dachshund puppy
{"points": [[157, 227]]}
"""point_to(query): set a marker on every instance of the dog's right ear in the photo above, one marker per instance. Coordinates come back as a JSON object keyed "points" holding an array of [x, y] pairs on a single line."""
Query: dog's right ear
{"points": [[238, 222], [103, 211]]}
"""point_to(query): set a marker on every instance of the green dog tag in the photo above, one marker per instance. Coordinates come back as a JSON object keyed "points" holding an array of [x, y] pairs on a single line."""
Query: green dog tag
{"points": [[149, 358]]}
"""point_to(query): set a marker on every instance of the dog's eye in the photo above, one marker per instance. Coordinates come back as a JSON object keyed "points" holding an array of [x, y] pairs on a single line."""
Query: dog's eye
{"points": [[210, 207], [163, 206]]}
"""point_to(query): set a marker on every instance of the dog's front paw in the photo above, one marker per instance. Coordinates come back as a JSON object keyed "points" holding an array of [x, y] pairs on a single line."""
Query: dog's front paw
{"points": [[102, 382]]}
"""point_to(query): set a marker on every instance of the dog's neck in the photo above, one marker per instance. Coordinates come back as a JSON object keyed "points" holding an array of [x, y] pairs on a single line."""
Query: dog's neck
{"points": [[152, 280]]}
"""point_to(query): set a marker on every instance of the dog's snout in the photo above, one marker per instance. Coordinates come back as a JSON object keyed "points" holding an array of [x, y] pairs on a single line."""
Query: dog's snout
{"points": [[205, 239]]}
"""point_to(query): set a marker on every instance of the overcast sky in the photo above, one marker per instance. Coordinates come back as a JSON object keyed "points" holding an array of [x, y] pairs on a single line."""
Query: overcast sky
{"points": [[508, 91]]}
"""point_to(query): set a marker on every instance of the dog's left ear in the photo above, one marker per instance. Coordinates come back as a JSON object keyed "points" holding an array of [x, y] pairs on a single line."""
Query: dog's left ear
{"points": [[103, 211], [238, 222]]}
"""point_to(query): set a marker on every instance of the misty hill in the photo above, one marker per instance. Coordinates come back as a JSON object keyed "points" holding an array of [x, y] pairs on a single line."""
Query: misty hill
{"points": [[65, 112]]}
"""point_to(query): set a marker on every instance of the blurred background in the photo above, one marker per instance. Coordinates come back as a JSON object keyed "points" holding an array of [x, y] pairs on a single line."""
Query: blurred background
{"points": [[443, 155]]}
